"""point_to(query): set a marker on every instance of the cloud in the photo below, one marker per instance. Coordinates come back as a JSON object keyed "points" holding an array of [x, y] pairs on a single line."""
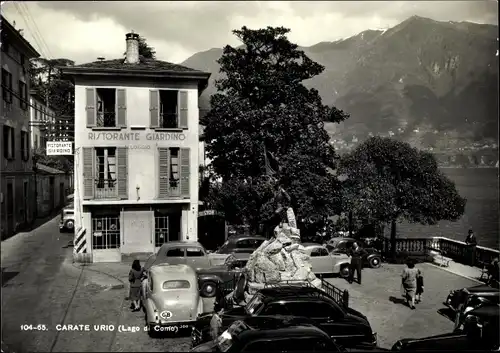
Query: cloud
{"points": [[83, 31]]}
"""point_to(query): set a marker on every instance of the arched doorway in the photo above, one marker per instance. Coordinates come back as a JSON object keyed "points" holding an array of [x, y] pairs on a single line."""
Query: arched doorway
{"points": [[211, 229]]}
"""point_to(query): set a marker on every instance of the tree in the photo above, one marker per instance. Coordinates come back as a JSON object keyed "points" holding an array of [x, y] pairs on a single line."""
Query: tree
{"points": [[145, 50], [389, 181], [262, 109]]}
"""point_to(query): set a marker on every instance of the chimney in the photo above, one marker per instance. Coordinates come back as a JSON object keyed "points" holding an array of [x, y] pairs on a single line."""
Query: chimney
{"points": [[132, 55]]}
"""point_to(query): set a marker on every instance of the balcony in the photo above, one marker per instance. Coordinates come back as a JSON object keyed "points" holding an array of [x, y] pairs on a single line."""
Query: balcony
{"points": [[105, 189], [169, 121], [106, 119]]}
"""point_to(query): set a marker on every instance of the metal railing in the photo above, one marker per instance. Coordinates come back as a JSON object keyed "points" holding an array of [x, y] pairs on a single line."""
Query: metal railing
{"points": [[169, 120], [106, 119], [105, 233], [105, 189]]}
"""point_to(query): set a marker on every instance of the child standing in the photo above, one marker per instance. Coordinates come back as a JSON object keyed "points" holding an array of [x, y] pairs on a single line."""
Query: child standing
{"points": [[420, 287]]}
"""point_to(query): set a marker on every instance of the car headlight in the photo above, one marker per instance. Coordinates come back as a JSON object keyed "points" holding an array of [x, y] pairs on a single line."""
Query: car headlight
{"points": [[467, 309], [397, 346]]}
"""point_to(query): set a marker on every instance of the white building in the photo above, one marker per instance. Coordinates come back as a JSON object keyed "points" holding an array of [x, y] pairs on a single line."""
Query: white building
{"points": [[42, 119], [136, 154]]}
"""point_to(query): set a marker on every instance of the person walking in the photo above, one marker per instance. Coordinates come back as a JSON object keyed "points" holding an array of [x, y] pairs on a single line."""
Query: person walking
{"points": [[356, 254], [471, 243], [409, 282], [135, 278], [420, 287]]}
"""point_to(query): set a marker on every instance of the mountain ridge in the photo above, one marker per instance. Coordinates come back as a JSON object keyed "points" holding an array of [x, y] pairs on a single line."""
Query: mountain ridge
{"points": [[420, 73]]}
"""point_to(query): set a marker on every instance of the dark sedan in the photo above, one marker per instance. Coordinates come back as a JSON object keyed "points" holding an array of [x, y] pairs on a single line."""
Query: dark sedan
{"points": [[209, 278], [372, 259], [458, 297]]}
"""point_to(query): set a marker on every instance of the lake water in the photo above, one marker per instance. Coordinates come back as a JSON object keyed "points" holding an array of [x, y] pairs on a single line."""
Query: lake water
{"points": [[480, 187]]}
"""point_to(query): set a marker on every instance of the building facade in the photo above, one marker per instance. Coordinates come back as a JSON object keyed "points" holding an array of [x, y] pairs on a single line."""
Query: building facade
{"points": [[53, 187], [136, 154], [42, 118], [17, 183]]}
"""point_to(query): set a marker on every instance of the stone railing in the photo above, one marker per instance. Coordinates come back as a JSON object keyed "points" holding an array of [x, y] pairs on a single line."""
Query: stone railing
{"points": [[458, 251]]}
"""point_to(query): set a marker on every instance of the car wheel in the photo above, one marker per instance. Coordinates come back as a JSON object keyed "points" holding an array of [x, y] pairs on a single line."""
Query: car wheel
{"points": [[375, 262], [151, 331], [344, 271], [69, 225], [208, 289]]}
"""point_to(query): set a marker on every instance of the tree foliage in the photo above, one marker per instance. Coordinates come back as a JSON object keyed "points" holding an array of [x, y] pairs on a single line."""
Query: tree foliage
{"points": [[261, 105], [46, 79], [389, 181]]}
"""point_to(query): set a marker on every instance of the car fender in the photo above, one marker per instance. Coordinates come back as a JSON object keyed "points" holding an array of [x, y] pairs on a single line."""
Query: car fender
{"points": [[372, 255], [337, 266], [202, 278], [151, 312]]}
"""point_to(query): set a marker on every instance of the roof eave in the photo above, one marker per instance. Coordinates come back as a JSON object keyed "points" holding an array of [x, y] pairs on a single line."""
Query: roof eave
{"points": [[31, 51]]}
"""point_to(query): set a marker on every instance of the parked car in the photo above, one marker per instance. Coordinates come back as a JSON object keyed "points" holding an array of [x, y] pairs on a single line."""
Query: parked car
{"points": [[341, 245], [181, 252], [171, 298], [236, 244], [324, 262], [271, 334], [347, 326], [67, 221], [473, 303], [480, 334], [457, 298], [209, 278]]}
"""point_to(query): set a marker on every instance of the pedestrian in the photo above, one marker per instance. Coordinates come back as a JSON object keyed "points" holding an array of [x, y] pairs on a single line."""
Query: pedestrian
{"points": [[471, 242], [409, 282], [357, 253], [135, 278], [493, 272], [420, 287]]}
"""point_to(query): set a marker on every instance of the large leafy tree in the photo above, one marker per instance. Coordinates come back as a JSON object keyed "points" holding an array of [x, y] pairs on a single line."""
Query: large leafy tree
{"points": [[46, 79], [389, 181], [262, 109]]}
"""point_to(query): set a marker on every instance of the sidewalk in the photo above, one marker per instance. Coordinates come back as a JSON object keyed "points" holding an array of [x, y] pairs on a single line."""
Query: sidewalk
{"points": [[447, 264]]}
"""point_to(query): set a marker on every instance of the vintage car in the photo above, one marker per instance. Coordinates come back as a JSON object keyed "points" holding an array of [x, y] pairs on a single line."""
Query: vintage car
{"points": [[236, 244], [346, 326], [324, 262], [271, 334], [472, 304], [171, 299], [181, 252], [341, 245], [480, 333], [67, 221], [209, 278], [457, 298]]}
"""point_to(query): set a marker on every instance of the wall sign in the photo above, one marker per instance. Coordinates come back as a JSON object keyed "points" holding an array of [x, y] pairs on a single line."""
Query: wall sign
{"points": [[136, 136]]}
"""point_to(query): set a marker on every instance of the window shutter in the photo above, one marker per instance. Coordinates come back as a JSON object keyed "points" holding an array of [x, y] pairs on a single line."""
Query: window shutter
{"points": [[184, 172], [90, 107], [121, 108], [88, 172], [164, 172], [183, 109], [154, 108], [122, 170]]}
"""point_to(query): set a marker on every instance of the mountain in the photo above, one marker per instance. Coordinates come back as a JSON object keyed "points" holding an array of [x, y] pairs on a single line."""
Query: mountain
{"points": [[421, 74]]}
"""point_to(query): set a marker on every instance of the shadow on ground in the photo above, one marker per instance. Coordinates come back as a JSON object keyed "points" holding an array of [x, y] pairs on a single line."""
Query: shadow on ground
{"points": [[7, 276], [395, 300]]}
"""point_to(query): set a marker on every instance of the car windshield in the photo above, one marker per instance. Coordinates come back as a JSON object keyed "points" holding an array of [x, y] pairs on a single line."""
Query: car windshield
{"points": [[334, 242], [180, 284], [254, 305], [223, 247], [229, 260]]}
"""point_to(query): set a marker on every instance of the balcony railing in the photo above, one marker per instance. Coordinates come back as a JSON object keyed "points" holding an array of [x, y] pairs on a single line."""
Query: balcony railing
{"points": [[458, 251], [106, 119], [105, 189], [169, 121]]}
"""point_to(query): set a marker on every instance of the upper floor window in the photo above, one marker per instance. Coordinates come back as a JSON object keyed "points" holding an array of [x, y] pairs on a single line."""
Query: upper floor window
{"points": [[7, 86], [8, 142], [23, 95], [168, 109], [106, 107], [24, 146]]}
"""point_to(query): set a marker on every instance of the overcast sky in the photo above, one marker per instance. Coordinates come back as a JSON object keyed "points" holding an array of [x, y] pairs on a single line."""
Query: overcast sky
{"points": [[83, 31]]}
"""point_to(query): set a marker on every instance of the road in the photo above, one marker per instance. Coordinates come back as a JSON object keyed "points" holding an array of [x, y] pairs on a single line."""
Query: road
{"points": [[42, 288]]}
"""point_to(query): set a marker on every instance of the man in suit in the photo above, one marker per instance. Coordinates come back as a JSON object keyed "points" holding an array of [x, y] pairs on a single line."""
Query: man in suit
{"points": [[357, 253], [471, 247]]}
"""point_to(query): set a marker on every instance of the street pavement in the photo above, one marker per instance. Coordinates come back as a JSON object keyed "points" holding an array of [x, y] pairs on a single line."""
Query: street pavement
{"points": [[42, 288]]}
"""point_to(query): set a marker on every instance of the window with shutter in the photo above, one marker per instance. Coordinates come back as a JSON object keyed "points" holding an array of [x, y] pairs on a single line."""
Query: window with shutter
{"points": [[88, 172], [121, 108], [184, 172], [122, 161], [90, 107], [154, 108], [183, 109], [163, 185]]}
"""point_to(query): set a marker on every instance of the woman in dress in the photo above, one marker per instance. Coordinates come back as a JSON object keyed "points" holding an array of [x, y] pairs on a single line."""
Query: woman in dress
{"points": [[135, 277], [409, 282]]}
